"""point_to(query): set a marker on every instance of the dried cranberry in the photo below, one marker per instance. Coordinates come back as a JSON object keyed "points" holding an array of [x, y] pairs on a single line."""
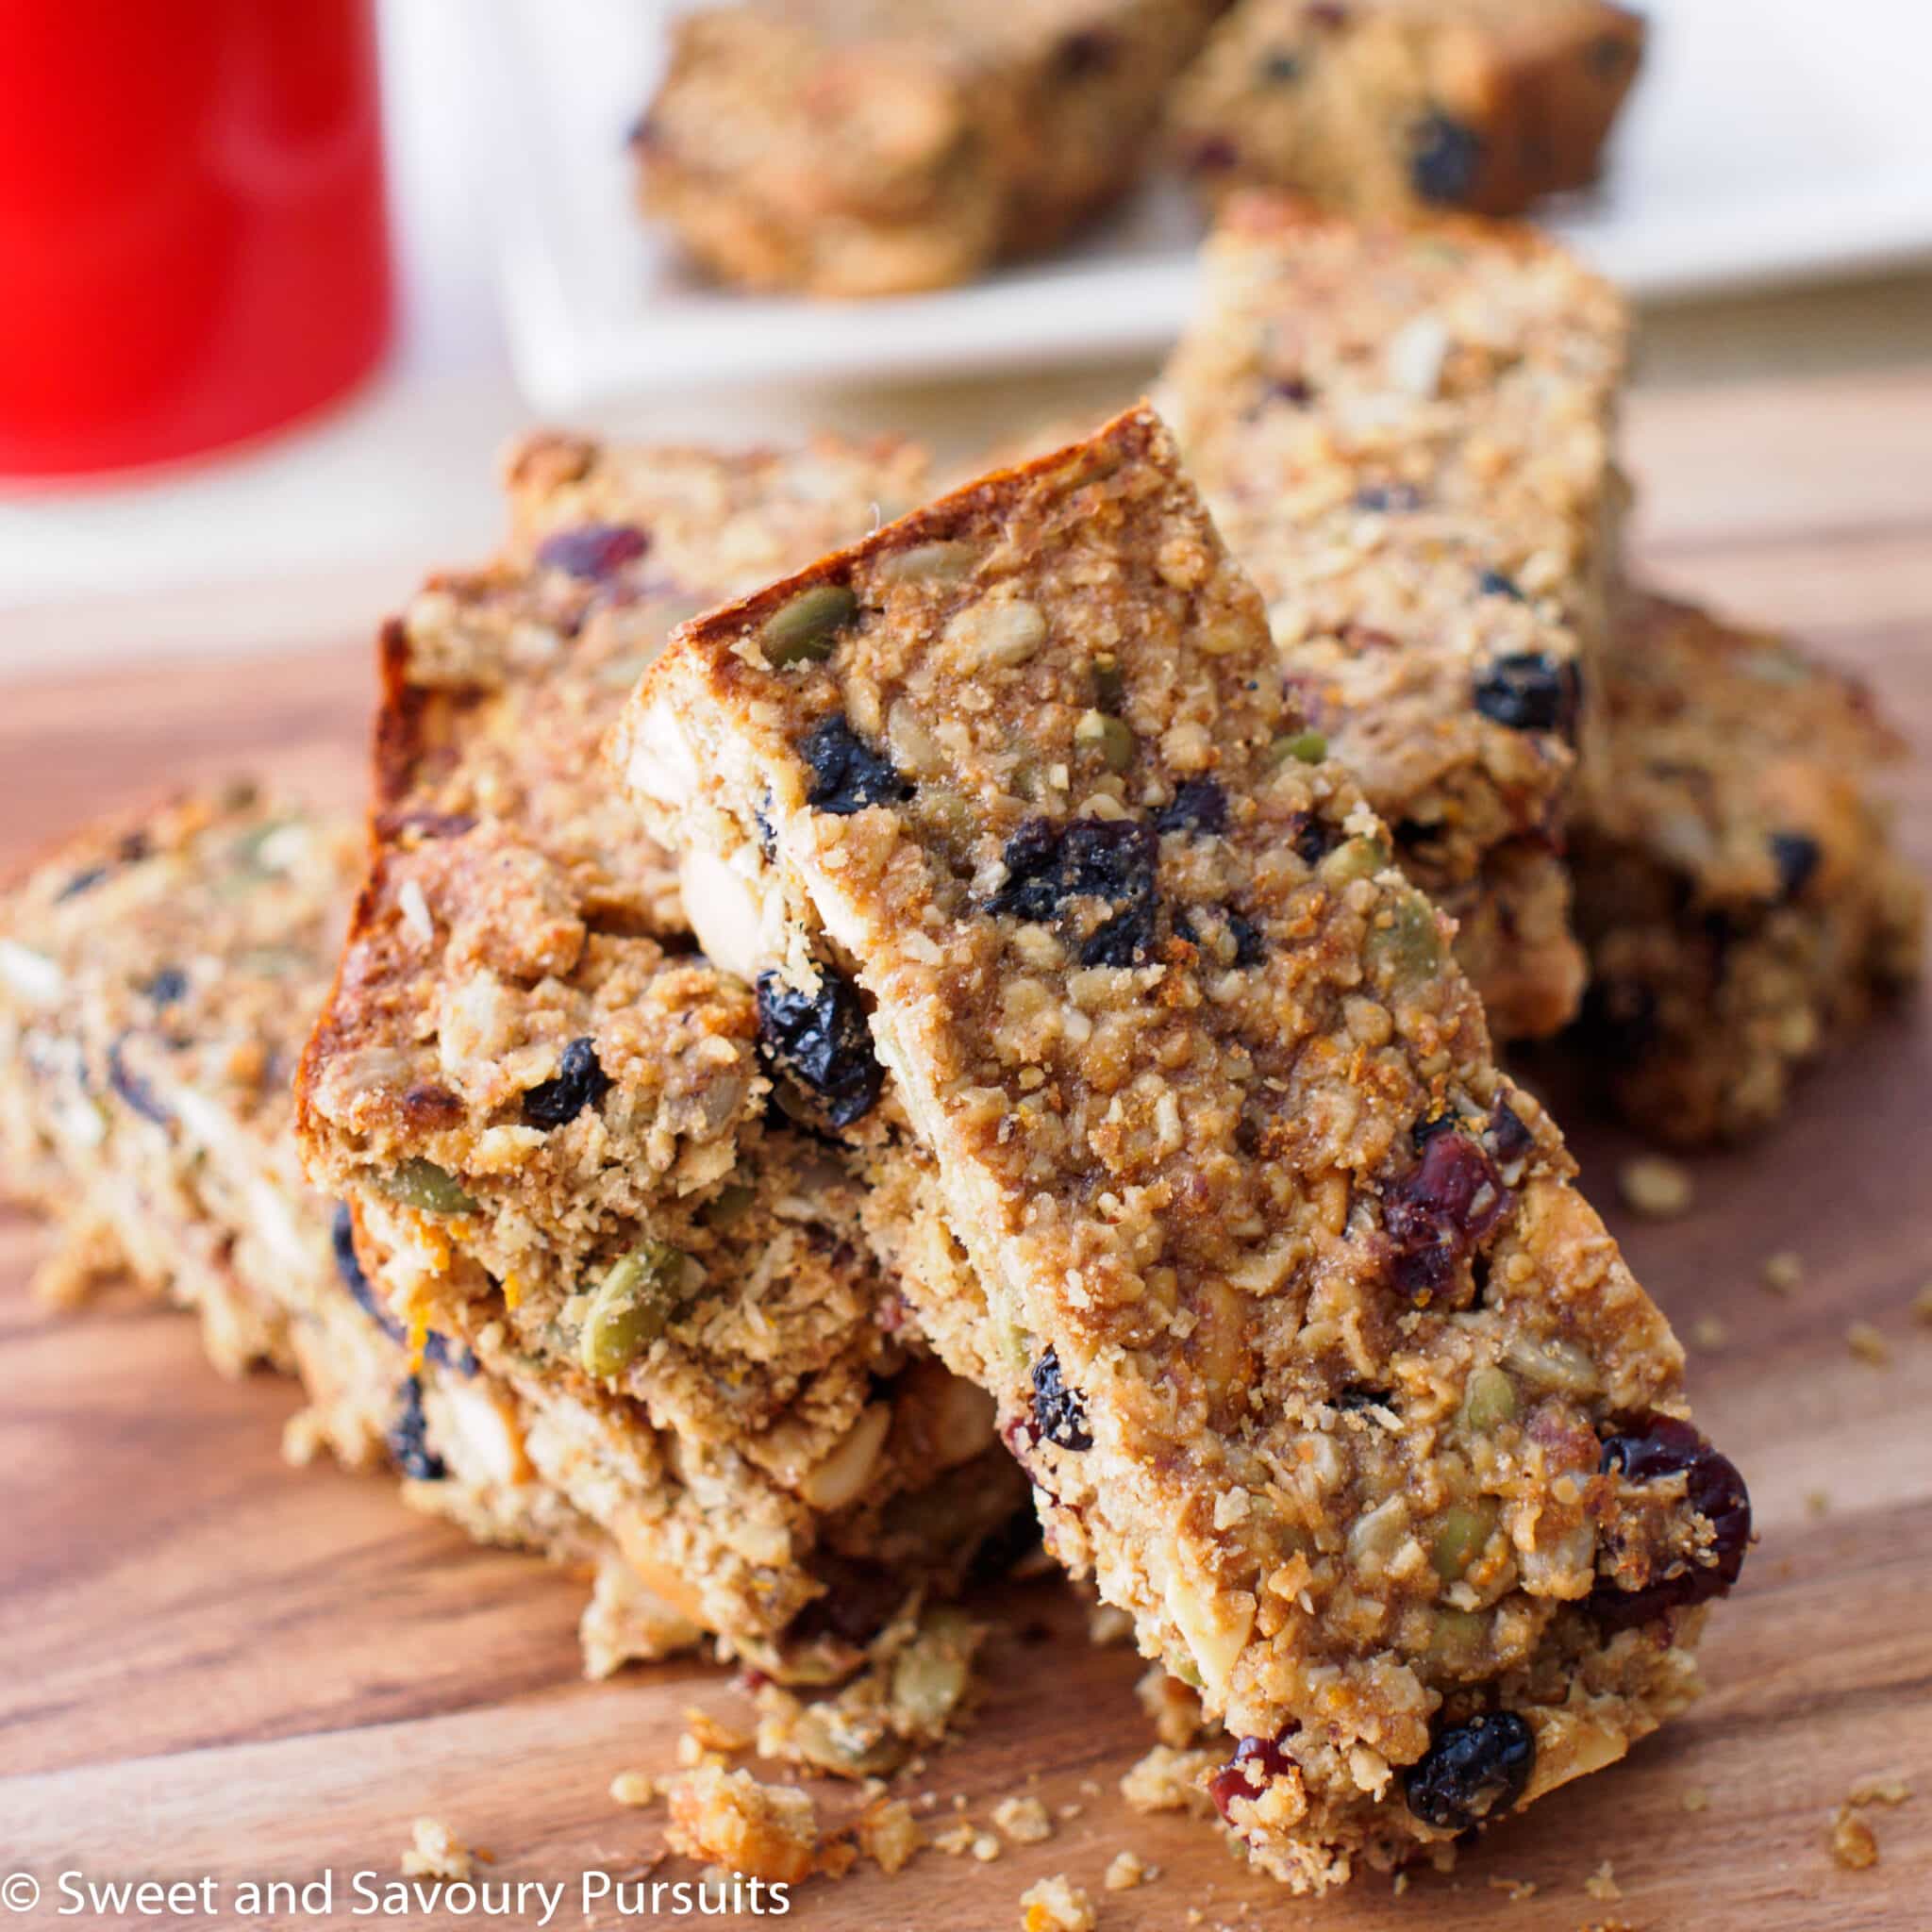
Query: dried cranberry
{"points": [[1297, 389], [1058, 1411], [1444, 158], [167, 986], [1312, 838], [579, 1081], [1213, 154], [593, 550], [821, 1040], [1256, 1764], [846, 774], [1796, 855], [408, 1436], [1438, 1212], [1661, 1446], [1493, 583], [1529, 691], [1126, 940], [1471, 1771], [1198, 805], [1047, 864]]}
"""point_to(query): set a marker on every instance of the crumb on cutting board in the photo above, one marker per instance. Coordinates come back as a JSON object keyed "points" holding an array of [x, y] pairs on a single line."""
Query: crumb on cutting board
{"points": [[1853, 1844], [1055, 1905], [1169, 1780], [1656, 1187], [435, 1851]]}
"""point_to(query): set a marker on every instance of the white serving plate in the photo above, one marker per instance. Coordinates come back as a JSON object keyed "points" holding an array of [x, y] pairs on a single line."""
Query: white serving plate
{"points": [[1769, 141]]}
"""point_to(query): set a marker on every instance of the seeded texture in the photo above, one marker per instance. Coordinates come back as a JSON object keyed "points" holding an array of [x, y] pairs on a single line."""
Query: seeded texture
{"points": [[1384, 106], [1192, 1193], [1737, 885]]}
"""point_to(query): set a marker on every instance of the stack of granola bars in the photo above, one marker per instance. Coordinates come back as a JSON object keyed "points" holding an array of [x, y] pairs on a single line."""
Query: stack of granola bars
{"points": [[863, 1026]]}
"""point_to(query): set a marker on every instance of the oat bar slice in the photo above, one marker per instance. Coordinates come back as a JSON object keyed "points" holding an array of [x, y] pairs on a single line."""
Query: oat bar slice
{"points": [[550, 1116], [1737, 885], [1318, 1361], [158, 976], [872, 147], [1406, 433], [1396, 107]]}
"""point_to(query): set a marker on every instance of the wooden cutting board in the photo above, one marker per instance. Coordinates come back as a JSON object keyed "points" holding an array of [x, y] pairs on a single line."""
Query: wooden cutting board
{"points": [[218, 1666]]}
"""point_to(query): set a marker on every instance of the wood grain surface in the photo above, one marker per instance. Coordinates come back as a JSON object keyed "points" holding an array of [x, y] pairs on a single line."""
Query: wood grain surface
{"points": [[215, 1665]]}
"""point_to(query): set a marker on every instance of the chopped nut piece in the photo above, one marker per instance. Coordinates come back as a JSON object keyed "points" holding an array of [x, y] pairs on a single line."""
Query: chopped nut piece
{"points": [[1023, 1820], [728, 1818], [1867, 1344], [1056, 1906], [1879, 1788], [1784, 1273], [1854, 1844], [712, 1734], [435, 1851], [1656, 1187]]}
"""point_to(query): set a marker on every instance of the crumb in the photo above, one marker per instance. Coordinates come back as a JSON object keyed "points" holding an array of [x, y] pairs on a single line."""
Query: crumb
{"points": [[1088, 1788], [1852, 1843], [1175, 1709], [691, 1753], [1695, 1799], [1817, 1503], [1126, 1870], [1922, 1304], [1656, 1187], [1602, 1885], [985, 1847], [1054, 1906], [1400, 1884], [435, 1851], [1169, 1780], [713, 1735], [1784, 1273], [1709, 1333], [1068, 1812], [728, 1818], [1867, 1344], [635, 1788], [889, 1834], [1022, 1820], [957, 1839], [1109, 1626], [1879, 1788], [1518, 1889]]}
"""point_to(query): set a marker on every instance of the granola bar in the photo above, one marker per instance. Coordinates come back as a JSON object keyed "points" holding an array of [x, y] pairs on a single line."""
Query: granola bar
{"points": [[1406, 435], [157, 979], [1392, 106], [1737, 883], [1319, 1362], [550, 1116], [870, 147]]}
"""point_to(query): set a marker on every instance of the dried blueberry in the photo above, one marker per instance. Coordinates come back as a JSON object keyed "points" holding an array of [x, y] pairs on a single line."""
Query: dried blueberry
{"points": [[1358, 1395], [767, 839], [133, 1089], [1661, 1446], [1126, 940], [1471, 1771], [579, 1081], [593, 550], [1444, 158], [408, 1437], [1058, 1410], [167, 986], [1248, 946], [1297, 389], [1048, 864], [1796, 855], [1312, 838], [1507, 1138], [821, 1040], [1437, 1213], [1528, 692], [342, 1235], [846, 774], [1256, 1763], [1198, 805], [1389, 497], [82, 882], [1493, 583]]}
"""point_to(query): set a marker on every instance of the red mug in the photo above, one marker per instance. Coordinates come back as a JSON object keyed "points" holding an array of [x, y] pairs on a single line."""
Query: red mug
{"points": [[193, 234]]}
